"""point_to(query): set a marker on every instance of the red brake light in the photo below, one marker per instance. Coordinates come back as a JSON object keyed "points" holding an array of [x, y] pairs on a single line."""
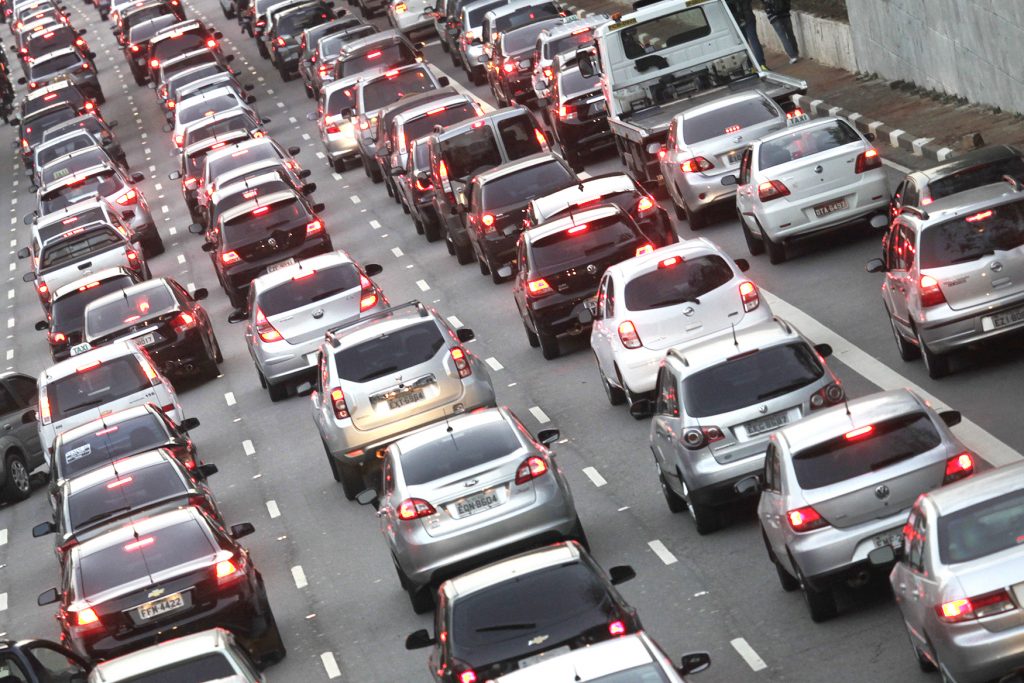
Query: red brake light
{"points": [[259, 211], [183, 322], [468, 677], [644, 249], [44, 291], [86, 617], [229, 257], [47, 97], [771, 189], [868, 160], [979, 216], [133, 48], [151, 375], [628, 335], [795, 113], [179, 139], [566, 111], [509, 67], [537, 133], [368, 295], [280, 42], [732, 129], [530, 469], [749, 296], [58, 338], [129, 197], [141, 543], [373, 55], [461, 362], [314, 227], [212, 44], [391, 73], [859, 432], [577, 229], [670, 262], [338, 403], [487, 220], [415, 508], [434, 112], [154, 63], [171, 104], [265, 329], [931, 293], [977, 607], [225, 568], [90, 366], [805, 519], [617, 628], [645, 204], [538, 287], [959, 467], [119, 482], [695, 165]]}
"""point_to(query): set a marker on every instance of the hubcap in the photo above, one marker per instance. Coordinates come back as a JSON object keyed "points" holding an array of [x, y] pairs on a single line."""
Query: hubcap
{"points": [[20, 475]]}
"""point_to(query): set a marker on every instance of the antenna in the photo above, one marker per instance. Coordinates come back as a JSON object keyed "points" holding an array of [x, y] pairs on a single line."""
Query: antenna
{"points": [[847, 404], [735, 341]]}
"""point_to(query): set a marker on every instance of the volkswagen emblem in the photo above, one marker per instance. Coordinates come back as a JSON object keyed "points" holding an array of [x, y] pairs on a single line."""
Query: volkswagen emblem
{"points": [[592, 269], [763, 409], [471, 482], [272, 243], [688, 311], [882, 492], [318, 313], [995, 266]]}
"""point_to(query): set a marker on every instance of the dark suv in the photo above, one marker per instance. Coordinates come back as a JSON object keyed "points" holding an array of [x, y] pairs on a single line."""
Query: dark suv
{"points": [[512, 76], [19, 445], [286, 32], [179, 39], [578, 115]]}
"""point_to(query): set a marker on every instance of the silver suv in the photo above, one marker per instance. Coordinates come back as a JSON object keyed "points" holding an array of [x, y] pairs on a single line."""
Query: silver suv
{"points": [[954, 274], [290, 308], [387, 374], [838, 487], [718, 399]]}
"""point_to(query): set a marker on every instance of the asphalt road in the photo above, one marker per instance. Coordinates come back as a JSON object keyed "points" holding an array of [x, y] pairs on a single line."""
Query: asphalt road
{"points": [[330, 579]]}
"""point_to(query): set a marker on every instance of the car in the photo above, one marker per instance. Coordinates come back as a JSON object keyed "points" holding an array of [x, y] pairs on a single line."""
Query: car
{"points": [[139, 12], [650, 303], [205, 105], [956, 580], [58, 92], [558, 266], [329, 50], [248, 182], [214, 652], [103, 380], [290, 308], [70, 63], [192, 162], [66, 145], [578, 115], [31, 127], [516, 14], [285, 33], [705, 144], [55, 223], [470, 47], [179, 572], [167, 91], [147, 483], [74, 162], [40, 661], [951, 273], [262, 32], [225, 122], [565, 38], [376, 53], [162, 317], [511, 78], [410, 17], [309, 40], [67, 307], [183, 62], [136, 46], [57, 38], [413, 184], [198, 86], [496, 200], [838, 486], [554, 600], [384, 375], [178, 39], [781, 195], [20, 450], [336, 118], [462, 493], [95, 126]]}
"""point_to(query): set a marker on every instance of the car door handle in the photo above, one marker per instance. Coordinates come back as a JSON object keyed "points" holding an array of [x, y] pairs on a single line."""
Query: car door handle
{"points": [[660, 432]]}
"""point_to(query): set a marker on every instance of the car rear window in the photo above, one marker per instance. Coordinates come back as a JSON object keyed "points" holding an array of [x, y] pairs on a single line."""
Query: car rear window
{"points": [[384, 91], [34, 128], [208, 107], [424, 125], [55, 64], [204, 57], [804, 143], [86, 217], [299, 19], [142, 486], [170, 47], [147, 29], [524, 16], [149, 554], [240, 157], [581, 36], [383, 56], [968, 238], [200, 72], [204, 668], [252, 225], [128, 309], [458, 451], [135, 435], [854, 454], [341, 98], [76, 247], [476, 15], [674, 283], [72, 144], [331, 46], [68, 311], [240, 122], [982, 529], [94, 385], [104, 184], [976, 176], [524, 185], [520, 39], [68, 95], [304, 289], [470, 152], [728, 120], [751, 377], [390, 352], [230, 199], [51, 40], [76, 164], [587, 241]]}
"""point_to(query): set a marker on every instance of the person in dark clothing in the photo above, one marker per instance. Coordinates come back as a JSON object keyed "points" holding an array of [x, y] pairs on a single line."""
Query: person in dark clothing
{"points": [[743, 12], [778, 12]]}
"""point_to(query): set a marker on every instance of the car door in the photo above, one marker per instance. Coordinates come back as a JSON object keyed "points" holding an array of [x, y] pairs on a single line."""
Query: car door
{"points": [[600, 341], [52, 662], [664, 422], [915, 590], [770, 507], [898, 276], [11, 670], [386, 510], [22, 421]]}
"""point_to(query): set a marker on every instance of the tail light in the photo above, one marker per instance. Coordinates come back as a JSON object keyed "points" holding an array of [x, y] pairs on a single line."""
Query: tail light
{"points": [[645, 204], [530, 469], [154, 63], [32, 85], [487, 220], [467, 676], [442, 171], [749, 296], [183, 322], [24, 143], [325, 69], [338, 403], [368, 295], [461, 362], [959, 467], [150, 371], [331, 128], [129, 197], [771, 189], [85, 619], [229, 257], [977, 607], [190, 183], [796, 113], [415, 508], [827, 396], [509, 67], [212, 44], [89, 105], [541, 138], [931, 293], [228, 571], [695, 165], [805, 519], [699, 437], [280, 42], [57, 338], [628, 335], [617, 628], [644, 249], [548, 73], [314, 227], [538, 287], [566, 111], [868, 160], [133, 259], [133, 47], [179, 139], [44, 407], [265, 329]]}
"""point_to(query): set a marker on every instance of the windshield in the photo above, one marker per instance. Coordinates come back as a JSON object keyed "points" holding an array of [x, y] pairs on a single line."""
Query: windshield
{"points": [[385, 90], [460, 450], [751, 377], [172, 47], [95, 449], [728, 120], [805, 143], [424, 125], [68, 312], [89, 124], [982, 529], [524, 16], [78, 246], [521, 39], [590, 240], [92, 386], [104, 184], [131, 308], [976, 176], [968, 238], [682, 281], [522, 186], [381, 57], [142, 487], [207, 668], [390, 352], [884, 443], [255, 225], [581, 36], [304, 290]]}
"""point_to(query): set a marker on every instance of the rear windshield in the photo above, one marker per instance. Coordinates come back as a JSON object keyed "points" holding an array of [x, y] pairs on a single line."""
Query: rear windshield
{"points": [[170, 47], [231, 199], [147, 29], [104, 184], [75, 164], [132, 308], [34, 128], [384, 91], [141, 487], [93, 386], [247, 227], [205, 57], [524, 16], [581, 36], [389, 353], [470, 152], [240, 157], [672, 284], [982, 529], [750, 378], [52, 40], [181, 80], [65, 147], [89, 124], [203, 669], [55, 64], [572, 83], [424, 125], [298, 20], [805, 143], [149, 554], [227, 125], [332, 45], [77, 247], [69, 95], [68, 311], [461, 450], [524, 185], [520, 39], [594, 241], [976, 176], [302, 291], [476, 15], [136, 435], [341, 98], [728, 120], [852, 455], [384, 56], [208, 107], [86, 217], [969, 238]]}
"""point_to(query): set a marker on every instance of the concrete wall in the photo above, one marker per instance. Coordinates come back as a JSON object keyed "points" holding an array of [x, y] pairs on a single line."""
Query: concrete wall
{"points": [[823, 40], [969, 48]]}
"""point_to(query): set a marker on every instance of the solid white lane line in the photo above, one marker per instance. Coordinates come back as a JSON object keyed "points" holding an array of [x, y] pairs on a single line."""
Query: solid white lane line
{"points": [[397, 252], [495, 365], [594, 476], [663, 553], [540, 415], [744, 650], [330, 665], [248, 447], [229, 398], [272, 509], [422, 284], [299, 576], [454, 321]]}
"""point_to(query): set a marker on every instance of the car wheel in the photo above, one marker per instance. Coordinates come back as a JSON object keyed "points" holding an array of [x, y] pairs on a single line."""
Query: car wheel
{"points": [[672, 500], [431, 230], [482, 262], [278, 392], [272, 649], [286, 75], [754, 244], [776, 250], [351, 480], [449, 244], [388, 188], [334, 464], [936, 365], [821, 603], [548, 346], [339, 165], [418, 225], [372, 173], [579, 535], [696, 219], [218, 356], [139, 79], [616, 396], [19, 484], [309, 91], [923, 662], [530, 336], [456, 62], [704, 517], [464, 254], [788, 582], [208, 368], [906, 350], [422, 599], [477, 77], [405, 207], [154, 247], [680, 212]]}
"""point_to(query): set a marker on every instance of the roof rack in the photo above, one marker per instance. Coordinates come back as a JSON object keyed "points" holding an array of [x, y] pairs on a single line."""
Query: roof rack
{"points": [[920, 213], [1014, 182], [331, 333], [783, 324]]}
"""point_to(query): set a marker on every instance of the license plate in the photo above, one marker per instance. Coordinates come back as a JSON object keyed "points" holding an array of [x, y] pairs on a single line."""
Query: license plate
{"points": [[146, 339], [155, 608], [405, 399], [530, 661], [733, 156], [1004, 319], [597, 108], [830, 207], [278, 266], [478, 503], [892, 538], [766, 424]]}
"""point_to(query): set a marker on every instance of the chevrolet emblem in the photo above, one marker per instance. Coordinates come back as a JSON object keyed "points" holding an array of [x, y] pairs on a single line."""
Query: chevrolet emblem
{"points": [[537, 640], [156, 593]]}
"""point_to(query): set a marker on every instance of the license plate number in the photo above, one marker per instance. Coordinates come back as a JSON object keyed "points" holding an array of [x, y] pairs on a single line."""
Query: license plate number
{"points": [[478, 503], [830, 207], [405, 399], [994, 322], [892, 538], [146, 339], [162, 606], [733, 157], [278, 266], [766, 424]]}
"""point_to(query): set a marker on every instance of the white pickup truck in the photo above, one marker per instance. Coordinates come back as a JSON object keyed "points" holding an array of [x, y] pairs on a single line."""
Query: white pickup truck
{"points": [[664, 58]]}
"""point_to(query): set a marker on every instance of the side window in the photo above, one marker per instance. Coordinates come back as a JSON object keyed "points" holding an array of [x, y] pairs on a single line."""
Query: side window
{"points": [[322, 377], [908, 240], [24, 389], [519, 137], [668, 403], [911, 195], [389, 477], [670, 144], [11, 671], [892, 248], [769, 468], [745, 166], [52, 664], [915, 544], [897, 196], [609, 301], [7, 403], [472, 193]]}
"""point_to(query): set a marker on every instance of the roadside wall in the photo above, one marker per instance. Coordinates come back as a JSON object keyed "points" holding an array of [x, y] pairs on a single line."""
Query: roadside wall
{"points": [[825, 41]]}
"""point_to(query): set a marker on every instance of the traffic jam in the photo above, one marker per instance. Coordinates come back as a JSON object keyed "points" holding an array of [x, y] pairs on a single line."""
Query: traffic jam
{"points": [[269, 299]]}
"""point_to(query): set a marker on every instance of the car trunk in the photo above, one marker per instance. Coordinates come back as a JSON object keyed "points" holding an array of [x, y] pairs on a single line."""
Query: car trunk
{"points": [[578, 261], [991, 573], [588, 106], [725, 150], [308, 322], [804, 181], [670, 326], [159, 326], [982, 281]]}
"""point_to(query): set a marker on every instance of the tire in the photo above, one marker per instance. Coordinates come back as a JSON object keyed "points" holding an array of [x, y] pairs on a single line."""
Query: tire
{"points": [[906, 350], [495, 278], [418, 225], [334, 464], [549, 346], [422, 599], [449, 245], [477, 78], [776, 250], [464, 254], [754, 244], [616, 396], [19, 484], [208, 369], [788, 582], [531, 337], [278, 392], [431, 229], [820, 603], [923, 663], [405, 207], [446, 48], [579, 535], [705, 518], [371, 173], [680, 211], [351, 480], [936, 365], [484, 268], [154, 247], [273, 649], [286, 75], [339, 165], [696, 219], [309, 91], [218, 355], [672, 500], [139, 80], [262, 49]]}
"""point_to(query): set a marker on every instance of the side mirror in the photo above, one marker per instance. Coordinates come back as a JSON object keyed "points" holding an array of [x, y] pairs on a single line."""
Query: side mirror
{"points": [[465, 334], [311, 116], [621, 574], [200, 294], [415, 641], [229, 59], [443, 81], [880, 557], [319, 208], [396, 171], [309, 188], [586, 64], [48, 597], [367, 497], [42, 326], [24, 252], [265, 119], [373, 269], [748, 486], [824, 350], [82, 31], [28, 417], [642, 408], [237, 316], [294, 150], [29, 276], [43, 529], [249, 99], [305, 173], [248, 87], [207, 470], [137, 177], [548, 436], [29, 218], [693, 663], [188, 424], [218, 35], [743, 264], [242, 530], [112, 124], [875, 265], [951, 417], [729, 180], [208, 247], [196, 229]]}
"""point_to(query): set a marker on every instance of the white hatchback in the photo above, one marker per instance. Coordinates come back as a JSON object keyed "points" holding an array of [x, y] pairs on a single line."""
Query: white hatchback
{"points": [[670, 296]]}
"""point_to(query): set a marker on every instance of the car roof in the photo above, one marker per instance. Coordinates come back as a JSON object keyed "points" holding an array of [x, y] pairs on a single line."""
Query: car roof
{"points": [[76, 176], [511, 167], [157, 656], [201, 98], [387, 36], [181, 26], [393, 318], [276, 277], [567, 27], [461, 423], [978, 488], [71, 210], [488, 118], [687, 249], [124, 465], [718, 347], [52, 142], [69, 366], [256, 202], [234, 186], [406, 104], [127, 532], [586, 190], [507, 569], [238, 146], [579, 218], [109, 420], [966, 161], [722, 102], [590, 663], [966, 202], [98, 276], [53, 55], [227, 178]]}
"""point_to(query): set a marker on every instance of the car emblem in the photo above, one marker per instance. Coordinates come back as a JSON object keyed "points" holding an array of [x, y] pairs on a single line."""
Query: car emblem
{"points": [[536, 640], [272, 242], [592, 269], [471, 482], [995, 266], [318, 313], [738, 138], [156, 593], [688, 311], [819, 169], [763, 409], [882, 492]]}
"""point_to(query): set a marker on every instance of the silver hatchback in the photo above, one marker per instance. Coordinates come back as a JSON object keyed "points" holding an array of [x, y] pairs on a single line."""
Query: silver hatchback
{"points": [[388, 374], [837, 488], [960, 584], [294, 304], [466, 492]]}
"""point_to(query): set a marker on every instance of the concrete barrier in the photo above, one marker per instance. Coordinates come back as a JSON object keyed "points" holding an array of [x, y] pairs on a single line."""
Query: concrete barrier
{"points": [[826, 41]]}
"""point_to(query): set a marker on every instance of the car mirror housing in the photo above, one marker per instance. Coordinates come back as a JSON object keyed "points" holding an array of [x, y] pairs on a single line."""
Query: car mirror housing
{"points": [[188, 424], [548, 437], [367, 497], [415, 641], [693, 662], [242, 530], [373, 269], [642, 408], [875, 265], [43, 529], [621, 574], [951, 417], [207, 469], [48, 597], [823, 350], [237, 316], [465, 334]]}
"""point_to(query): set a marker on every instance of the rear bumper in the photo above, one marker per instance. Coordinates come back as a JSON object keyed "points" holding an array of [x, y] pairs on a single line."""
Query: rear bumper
{"points": [[700, 190], [180, 355], [956, 329], [282, 361], [973, 654], [710, 482], [792, 220], [556, 314], [828, 555]]}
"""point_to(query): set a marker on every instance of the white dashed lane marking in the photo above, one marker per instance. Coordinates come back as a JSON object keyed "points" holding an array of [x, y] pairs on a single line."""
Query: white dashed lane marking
{"points": [[3, 602], [181, 258], [397, 252], [272, 509], [495, 365], [540, 415], [375, 225], [663, 553], [330, 665], [594, 476], [248, 447], [355, 199], [454, 321], [422, 284], [299, 576], [3, 536], [744, 650], [229, 398]]}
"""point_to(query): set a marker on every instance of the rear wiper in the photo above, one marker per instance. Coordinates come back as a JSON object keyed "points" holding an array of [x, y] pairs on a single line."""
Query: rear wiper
{"points": [[889, 461], [507, 627], [782, 390], [329, 293], [675, 302], [83, 404], [103, 515], [380, 373], [972, 257]]}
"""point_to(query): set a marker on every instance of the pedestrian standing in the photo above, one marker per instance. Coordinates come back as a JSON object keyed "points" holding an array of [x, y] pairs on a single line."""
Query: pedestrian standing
{"points": [[779, 17], [743, 12]]}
